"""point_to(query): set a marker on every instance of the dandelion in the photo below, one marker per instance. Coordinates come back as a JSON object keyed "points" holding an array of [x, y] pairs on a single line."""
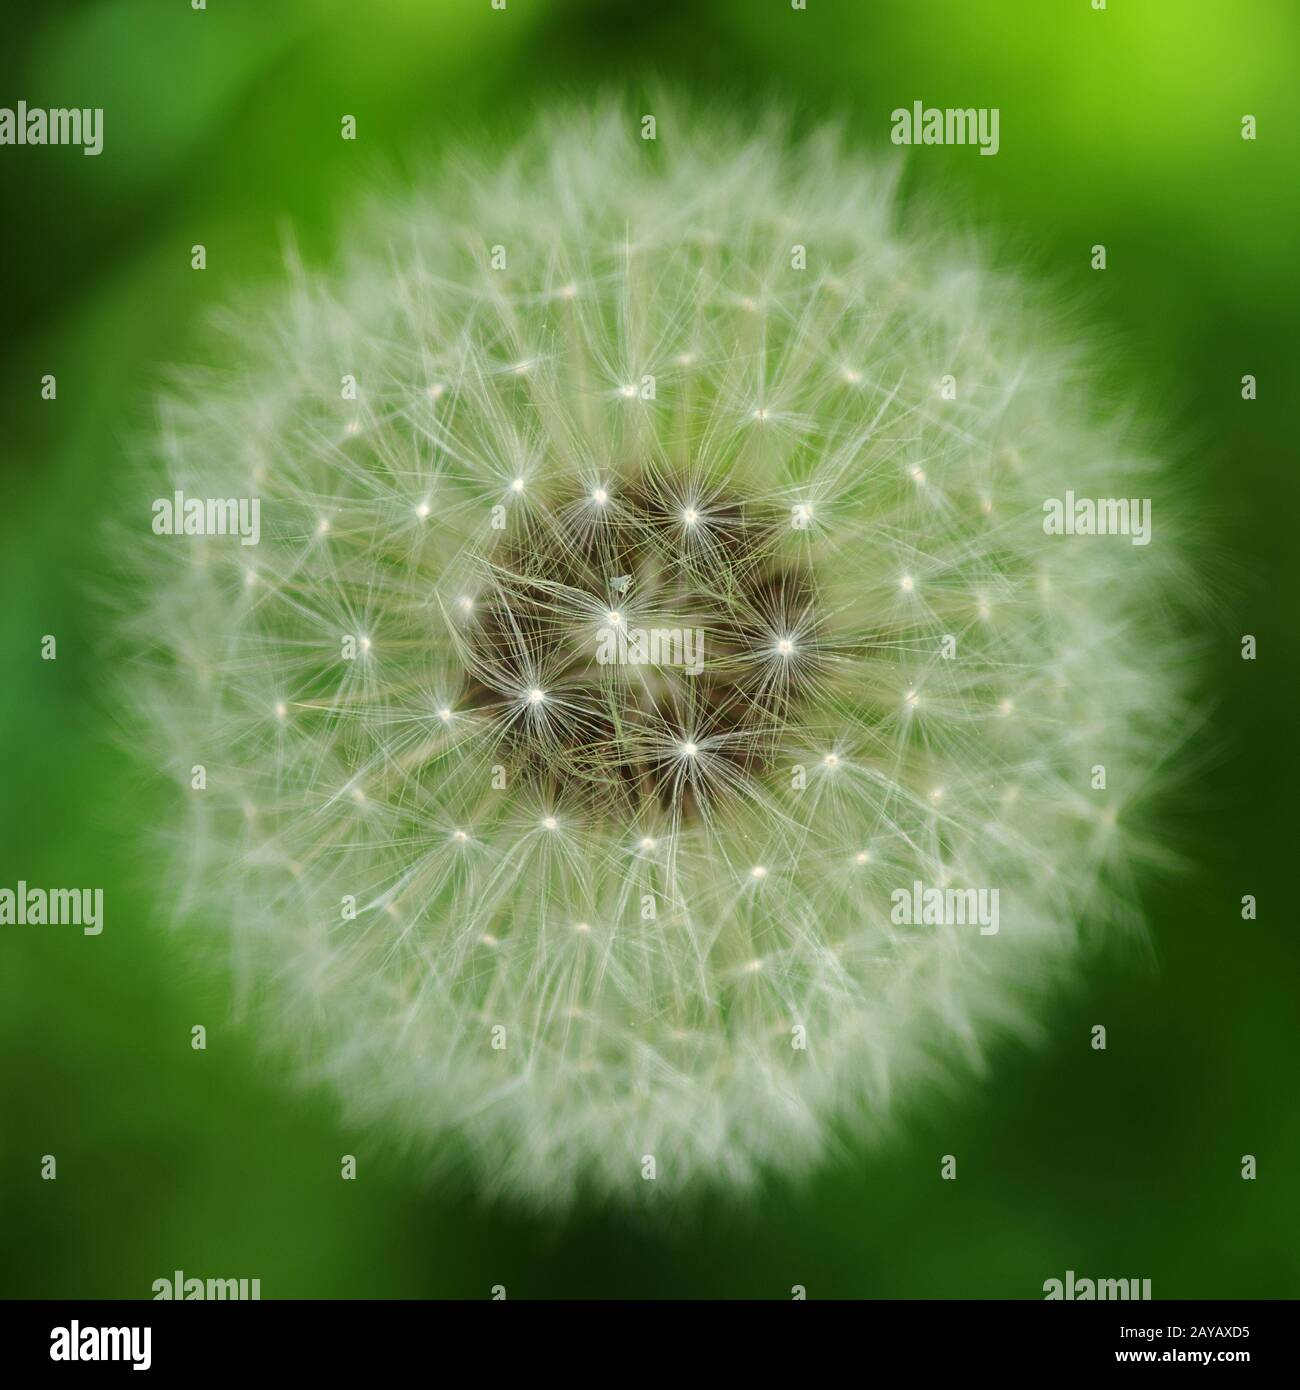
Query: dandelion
{"points": [[444, 675]]}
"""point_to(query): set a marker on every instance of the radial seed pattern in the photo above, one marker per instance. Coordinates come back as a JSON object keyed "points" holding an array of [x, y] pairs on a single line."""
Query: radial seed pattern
{"points": [[583, 913]]}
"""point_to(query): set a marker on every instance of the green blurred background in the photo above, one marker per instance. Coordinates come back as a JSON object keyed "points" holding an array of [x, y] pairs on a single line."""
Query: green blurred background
{"points": [[222, 127]]}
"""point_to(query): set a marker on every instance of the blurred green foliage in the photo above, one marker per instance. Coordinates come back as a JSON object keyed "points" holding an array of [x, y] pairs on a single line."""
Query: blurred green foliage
{"points": [[222, 126]]}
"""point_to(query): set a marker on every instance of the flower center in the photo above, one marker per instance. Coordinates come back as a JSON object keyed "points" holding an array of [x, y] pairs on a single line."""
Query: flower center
{"points": [[648, 651]]}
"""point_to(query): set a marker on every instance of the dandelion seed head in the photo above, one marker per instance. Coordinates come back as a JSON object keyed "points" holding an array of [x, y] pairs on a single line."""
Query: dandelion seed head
{"points": [[649, 791]]}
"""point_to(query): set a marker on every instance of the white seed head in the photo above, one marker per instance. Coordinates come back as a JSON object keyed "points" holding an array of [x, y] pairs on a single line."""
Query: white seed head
{"points": [[666, 1032]]}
